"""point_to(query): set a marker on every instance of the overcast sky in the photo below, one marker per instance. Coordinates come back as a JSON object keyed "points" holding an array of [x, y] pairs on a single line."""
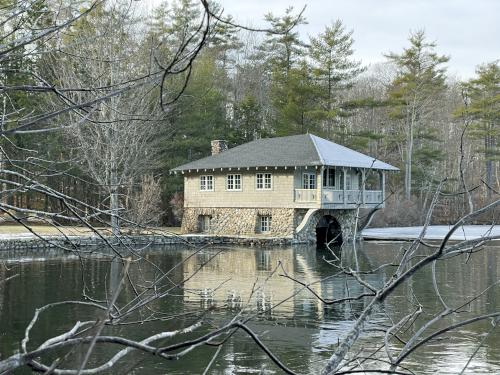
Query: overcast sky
{"points": [[466, 30]]}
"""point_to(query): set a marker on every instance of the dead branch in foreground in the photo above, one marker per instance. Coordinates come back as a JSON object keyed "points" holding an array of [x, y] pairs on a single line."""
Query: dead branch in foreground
{"points": [[76, 105]]}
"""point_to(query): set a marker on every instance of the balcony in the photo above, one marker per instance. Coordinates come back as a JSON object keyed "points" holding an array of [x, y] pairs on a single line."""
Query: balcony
{"points": [[339, 198], [306, 195]]}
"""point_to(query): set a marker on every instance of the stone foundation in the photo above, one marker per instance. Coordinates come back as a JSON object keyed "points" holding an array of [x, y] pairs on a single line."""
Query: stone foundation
{"points": [[346, 219], [244, 221], [240, 221]]}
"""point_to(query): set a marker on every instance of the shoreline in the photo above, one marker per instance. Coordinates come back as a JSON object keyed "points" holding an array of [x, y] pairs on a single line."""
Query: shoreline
{"points": [[72, 242], [26, 240]]}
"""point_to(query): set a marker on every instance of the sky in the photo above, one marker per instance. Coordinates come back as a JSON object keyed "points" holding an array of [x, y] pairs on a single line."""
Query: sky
{"points": [[466, 30]]}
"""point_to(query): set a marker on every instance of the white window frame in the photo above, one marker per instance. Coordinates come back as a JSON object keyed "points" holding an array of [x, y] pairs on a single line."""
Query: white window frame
{"points": [[264, 181], [233, 182], [309, 181], [329, 172], [265, 222], [207, 183]]}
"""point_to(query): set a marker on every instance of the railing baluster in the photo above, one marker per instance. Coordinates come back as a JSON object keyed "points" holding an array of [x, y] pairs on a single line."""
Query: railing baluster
{"points": [[337, 196]]}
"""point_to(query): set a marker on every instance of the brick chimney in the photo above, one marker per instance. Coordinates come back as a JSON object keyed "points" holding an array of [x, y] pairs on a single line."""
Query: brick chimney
{"points": [[218, 146]]}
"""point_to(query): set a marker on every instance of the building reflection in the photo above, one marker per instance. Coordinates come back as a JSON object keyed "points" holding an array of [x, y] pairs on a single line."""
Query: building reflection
{"points": [[296, 324], [254, 279]]}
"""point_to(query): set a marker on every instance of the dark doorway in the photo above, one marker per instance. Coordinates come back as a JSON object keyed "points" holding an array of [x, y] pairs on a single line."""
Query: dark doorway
{"points": [[329, 231]]}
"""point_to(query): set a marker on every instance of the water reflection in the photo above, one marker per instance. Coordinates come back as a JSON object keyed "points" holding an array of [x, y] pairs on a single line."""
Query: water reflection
{"points": [[295, 324]]}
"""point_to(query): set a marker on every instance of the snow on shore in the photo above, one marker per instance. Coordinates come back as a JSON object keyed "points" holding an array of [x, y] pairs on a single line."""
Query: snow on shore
{"points": [[434, 232], [17, 236]]}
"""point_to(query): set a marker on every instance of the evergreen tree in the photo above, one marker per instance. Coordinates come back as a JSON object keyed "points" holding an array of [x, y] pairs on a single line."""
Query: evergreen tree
{"points": [[197, 117], [484, 109], [291, 87], [23, 66], [181, 26], [334, 71], [249, 95], [295, 101], [283, 45], [248, 119], [414, 93]]}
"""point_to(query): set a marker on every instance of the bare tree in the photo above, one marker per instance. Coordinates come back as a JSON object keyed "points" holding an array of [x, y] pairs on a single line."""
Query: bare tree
{"points": [[144, 205], [113, 110]]}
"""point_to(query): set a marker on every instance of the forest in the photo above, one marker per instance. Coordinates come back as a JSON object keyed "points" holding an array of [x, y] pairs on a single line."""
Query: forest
{"points": [[227, 82]]}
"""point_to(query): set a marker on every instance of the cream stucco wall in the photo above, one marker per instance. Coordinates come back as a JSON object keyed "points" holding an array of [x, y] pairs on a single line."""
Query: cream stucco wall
{"points": [[280, 195]]}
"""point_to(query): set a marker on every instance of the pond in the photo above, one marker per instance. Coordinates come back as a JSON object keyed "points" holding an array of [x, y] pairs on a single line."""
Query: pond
{"points": [[221, 282]]}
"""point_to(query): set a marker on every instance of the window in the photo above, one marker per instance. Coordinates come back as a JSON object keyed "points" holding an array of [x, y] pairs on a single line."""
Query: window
{"points": [[204, 222], [353, 179], [233, 182], [309, 181], [329, 177], [348, 182], [341, 180], [264, 181], [207, 183], [373, 180], [265, 223]]}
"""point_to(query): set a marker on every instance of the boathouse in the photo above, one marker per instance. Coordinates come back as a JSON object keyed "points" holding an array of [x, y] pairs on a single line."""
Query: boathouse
{"points": [[302, 187]]}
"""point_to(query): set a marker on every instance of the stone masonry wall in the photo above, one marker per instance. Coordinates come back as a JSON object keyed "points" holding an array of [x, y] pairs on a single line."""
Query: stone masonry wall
{"points": [[7, 246], [346, 219], [240, 221], [244, 221], [227, 222]]}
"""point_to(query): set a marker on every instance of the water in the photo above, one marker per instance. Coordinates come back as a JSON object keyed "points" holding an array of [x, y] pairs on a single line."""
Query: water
{"points": [[290, 320]]}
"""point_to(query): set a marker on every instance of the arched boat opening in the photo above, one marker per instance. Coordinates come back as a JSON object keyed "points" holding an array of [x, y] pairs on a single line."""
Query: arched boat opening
{"points": [[328, 231]]}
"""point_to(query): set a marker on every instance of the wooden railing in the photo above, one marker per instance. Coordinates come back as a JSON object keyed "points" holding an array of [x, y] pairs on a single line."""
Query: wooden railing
{"points": [[333, 196], [330, 196], [306, 195], [352, 197], [373, 196]]}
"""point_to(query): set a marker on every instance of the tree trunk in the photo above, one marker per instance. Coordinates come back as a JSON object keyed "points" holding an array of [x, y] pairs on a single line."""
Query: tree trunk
{"points": [[489, 146], [409, 157], [114, 204]]}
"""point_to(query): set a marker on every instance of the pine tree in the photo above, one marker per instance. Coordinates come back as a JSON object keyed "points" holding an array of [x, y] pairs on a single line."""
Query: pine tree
{"points": [[295, 101], [21, 67], [334, 70], [419, 83], [291, 85], [283, 45], [484, 109], [248, 119]]}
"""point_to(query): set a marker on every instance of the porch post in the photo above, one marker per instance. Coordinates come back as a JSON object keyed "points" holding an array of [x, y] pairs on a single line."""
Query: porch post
{"points": [[344, 172], [363, 178], [383, 186], [321, 185]]}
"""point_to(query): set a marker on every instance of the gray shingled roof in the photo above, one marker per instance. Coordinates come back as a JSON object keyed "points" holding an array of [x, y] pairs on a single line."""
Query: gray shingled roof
{"points": [[293, 151]]}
